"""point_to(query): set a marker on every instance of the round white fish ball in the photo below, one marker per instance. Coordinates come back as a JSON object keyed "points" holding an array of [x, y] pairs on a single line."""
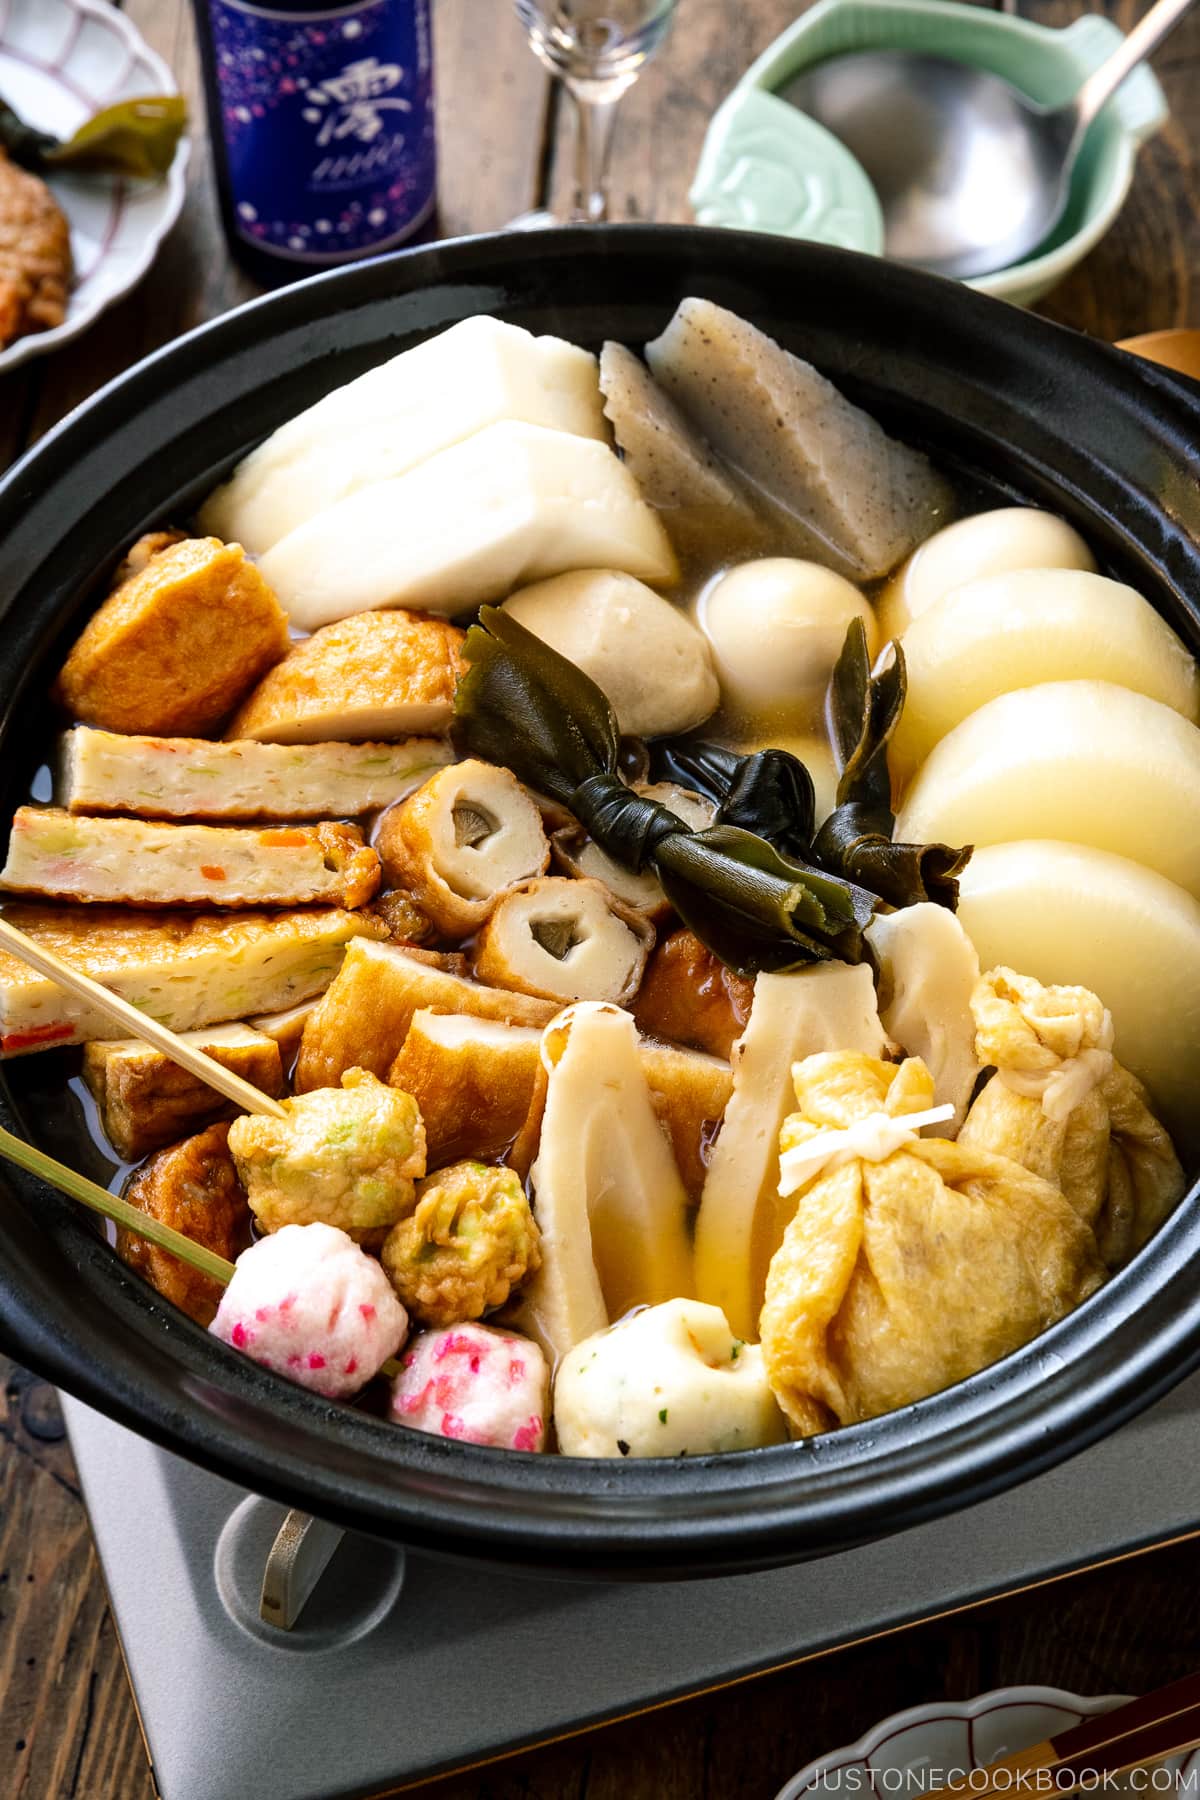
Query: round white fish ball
{"points": [[988, 543], [667, 1381], [309, 1304], [777, 626], [476, 1384]]}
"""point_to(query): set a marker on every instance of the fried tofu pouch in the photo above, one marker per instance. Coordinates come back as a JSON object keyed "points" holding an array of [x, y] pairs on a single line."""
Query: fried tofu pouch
{"points": [[1061, 1105], [194, 1188], [900, 1276], [176, 645]]}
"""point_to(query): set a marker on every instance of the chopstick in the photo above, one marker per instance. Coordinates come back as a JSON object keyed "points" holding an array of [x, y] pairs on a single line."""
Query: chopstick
{"points": [[1145, 1730], [123, 1212], [242, 1093]]}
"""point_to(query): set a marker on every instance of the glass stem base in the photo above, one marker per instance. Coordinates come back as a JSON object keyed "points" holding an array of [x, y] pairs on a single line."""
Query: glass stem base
{"points": [[594, 122]]}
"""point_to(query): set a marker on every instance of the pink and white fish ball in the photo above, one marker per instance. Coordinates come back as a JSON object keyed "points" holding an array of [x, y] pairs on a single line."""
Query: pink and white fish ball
{"points": [[474, 1383], [308, 1303]]}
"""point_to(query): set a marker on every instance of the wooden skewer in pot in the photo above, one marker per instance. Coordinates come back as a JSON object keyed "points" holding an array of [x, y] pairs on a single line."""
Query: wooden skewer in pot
{"points": [[136, 1023], [111, 1206], [124, 1213]]}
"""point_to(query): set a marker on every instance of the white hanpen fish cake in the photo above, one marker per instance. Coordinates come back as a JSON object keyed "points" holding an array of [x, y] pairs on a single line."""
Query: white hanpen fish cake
{"points": [[62, 856], [193, 778], [183, 969], [400, 414], [514, 504]]}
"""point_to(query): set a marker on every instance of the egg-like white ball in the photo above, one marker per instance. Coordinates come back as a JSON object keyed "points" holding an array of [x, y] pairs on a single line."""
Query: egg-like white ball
{"points": [[988, 543], [777, 625]]}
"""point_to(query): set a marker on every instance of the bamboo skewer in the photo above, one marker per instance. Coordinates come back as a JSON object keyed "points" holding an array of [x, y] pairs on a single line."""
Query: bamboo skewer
{"points": [[111, 1206], [124, 1213], [197, 1062]]}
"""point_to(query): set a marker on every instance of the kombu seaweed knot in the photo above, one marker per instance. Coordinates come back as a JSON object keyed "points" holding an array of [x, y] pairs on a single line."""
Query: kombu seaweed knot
{"points": [[872, 1139]]}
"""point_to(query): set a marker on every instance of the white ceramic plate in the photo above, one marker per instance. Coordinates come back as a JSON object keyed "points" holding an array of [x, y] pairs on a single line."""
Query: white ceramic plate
{"points": [[60, 61], [924, 1748]]}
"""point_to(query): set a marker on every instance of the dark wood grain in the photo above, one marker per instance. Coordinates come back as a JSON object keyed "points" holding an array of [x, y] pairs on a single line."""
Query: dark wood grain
{"points": [[68, 1730]]}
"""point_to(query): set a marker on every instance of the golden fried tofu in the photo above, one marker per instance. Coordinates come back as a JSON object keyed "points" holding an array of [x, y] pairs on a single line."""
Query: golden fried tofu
{"points": [[174, 648], [364, 1018], [184, 969], [146, 1100], [690, 1092], [374, 675], [35, 255], [193, 1187], [286, 1027], [690, 997], [139, 553], [473, 1080], [476, 1082]]}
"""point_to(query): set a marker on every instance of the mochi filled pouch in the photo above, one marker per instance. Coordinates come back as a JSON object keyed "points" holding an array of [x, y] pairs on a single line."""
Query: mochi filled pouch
{"points": [[909, 1262], [1062, 1106]]}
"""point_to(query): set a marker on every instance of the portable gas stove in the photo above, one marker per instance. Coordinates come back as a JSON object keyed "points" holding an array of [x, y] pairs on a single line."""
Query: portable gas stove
{"points": [[401, 1667]]}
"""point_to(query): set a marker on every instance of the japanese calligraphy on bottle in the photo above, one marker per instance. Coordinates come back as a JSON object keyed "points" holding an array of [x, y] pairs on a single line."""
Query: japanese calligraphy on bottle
{"points": [[328, 125]]}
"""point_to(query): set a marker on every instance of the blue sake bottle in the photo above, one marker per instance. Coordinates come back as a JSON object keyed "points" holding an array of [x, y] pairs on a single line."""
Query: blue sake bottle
{"points": [[322, 126]]}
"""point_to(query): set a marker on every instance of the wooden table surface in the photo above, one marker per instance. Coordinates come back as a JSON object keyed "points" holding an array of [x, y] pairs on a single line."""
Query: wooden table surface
{"points": [[67, 1725]]}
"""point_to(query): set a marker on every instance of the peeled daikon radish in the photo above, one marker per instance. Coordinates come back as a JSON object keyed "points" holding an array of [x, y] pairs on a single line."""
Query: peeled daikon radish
{"points": [[777, 626], [1072, 915], [649, 659], [396, 416], [610, 1202], [826, 465], [1011, 537], [1029, 626], [741, 1221], [1084, 761], [512, 504]]}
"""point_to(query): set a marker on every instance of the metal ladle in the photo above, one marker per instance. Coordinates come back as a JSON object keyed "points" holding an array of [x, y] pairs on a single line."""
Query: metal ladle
{"points": [[971, 174]]}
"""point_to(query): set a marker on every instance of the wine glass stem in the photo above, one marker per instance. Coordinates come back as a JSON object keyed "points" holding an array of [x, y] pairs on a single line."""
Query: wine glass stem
{"points": [[594, 120]]}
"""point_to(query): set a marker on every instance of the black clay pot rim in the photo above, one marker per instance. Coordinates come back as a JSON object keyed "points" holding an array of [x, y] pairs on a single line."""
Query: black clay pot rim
{"points": [[122, 1350]]}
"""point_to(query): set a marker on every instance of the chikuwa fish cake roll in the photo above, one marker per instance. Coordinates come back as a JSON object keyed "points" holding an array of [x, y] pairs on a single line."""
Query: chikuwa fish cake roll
{"points": [[566, 940], [465, 838]]}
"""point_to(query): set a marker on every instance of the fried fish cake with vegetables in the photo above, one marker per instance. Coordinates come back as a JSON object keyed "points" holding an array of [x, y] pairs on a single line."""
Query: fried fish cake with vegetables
{"points": [[175, 646], [345, 1156], [194, 1188], [35, 255], [471, 1240]]}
